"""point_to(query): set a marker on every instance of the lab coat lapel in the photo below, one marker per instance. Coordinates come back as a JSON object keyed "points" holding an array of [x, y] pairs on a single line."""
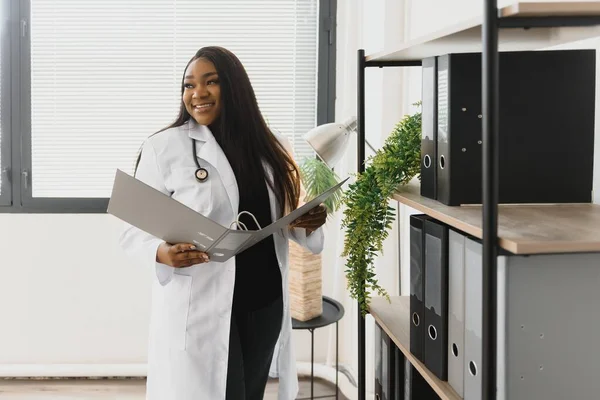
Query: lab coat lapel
{"points": [[209, 151]]}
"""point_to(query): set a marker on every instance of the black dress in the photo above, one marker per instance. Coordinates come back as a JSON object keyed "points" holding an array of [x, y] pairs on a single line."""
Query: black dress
{"points": [[257, 312], [257, 273]]}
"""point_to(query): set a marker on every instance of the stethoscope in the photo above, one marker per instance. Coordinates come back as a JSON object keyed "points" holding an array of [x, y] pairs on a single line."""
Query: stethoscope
{"points": [[201, 173]]}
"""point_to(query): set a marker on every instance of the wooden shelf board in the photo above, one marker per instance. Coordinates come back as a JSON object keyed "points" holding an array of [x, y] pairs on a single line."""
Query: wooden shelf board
{"points": [[465, 36], [550, 9], [394, 319], [522, 228]]}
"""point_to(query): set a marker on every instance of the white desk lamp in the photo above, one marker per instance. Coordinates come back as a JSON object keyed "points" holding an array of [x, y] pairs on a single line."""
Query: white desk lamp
{"points": [[330, 141]]}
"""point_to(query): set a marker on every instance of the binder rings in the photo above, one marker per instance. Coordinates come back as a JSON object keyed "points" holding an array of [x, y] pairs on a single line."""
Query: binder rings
{"points": [[473, 320], [158, 214], [417, 285], [429, 128], [436, 298], [456, 310], [546, 135]]}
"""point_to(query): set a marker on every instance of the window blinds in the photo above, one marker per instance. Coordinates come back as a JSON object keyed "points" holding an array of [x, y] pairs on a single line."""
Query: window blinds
{"points": [[2, 173], [1, 132], [105, 74]]}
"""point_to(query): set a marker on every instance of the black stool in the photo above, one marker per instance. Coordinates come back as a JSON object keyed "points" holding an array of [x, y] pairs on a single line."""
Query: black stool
{"points": [[333, 311]]}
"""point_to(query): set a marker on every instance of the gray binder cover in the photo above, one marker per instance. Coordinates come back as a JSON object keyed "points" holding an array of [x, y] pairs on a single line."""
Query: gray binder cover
{"points": [[166, 218], [473, 320], [456, 311]]}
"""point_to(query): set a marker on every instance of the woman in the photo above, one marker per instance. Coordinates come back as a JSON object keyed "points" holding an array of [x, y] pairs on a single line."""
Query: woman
{"points": [[218, 329]]}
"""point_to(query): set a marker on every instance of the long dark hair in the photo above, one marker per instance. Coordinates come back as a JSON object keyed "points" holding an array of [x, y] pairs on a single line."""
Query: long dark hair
{"points": [[242, 131]]}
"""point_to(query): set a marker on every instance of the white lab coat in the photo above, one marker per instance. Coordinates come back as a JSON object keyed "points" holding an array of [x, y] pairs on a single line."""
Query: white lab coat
{"points": [[191, 307]]}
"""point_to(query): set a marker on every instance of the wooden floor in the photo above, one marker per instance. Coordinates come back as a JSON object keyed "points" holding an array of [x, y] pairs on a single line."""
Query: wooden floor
{"points": [[13, 389]]}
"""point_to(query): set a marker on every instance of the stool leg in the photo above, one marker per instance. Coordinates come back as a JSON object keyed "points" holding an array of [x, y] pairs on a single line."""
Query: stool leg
{"points": [[336, 361], [312, 363]]}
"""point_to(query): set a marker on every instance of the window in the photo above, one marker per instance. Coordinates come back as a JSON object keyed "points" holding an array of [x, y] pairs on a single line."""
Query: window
{"points": [[102, 75]]}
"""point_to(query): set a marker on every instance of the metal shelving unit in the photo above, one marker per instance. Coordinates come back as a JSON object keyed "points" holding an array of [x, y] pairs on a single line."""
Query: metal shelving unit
{"points": [[539, 24]]}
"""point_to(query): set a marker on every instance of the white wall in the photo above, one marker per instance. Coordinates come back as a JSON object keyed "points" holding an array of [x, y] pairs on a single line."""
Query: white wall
{"points": [[369, 25], [68, 296]]}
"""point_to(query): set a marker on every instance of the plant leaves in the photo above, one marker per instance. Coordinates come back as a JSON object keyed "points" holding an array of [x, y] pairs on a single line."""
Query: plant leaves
{"points": [[368, 216], [317, 177]]}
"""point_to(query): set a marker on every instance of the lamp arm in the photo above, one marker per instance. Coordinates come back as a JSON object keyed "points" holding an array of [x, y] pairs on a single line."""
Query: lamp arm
{"points": [[369, 146]]}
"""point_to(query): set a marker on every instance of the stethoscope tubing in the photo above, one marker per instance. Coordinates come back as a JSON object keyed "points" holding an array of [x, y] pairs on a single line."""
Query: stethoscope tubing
{"points": [[202, 175]]}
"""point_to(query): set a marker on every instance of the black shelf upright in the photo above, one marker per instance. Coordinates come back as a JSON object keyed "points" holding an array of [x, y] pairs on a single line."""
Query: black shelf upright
{"points": [[490, 131], [489, 102], [360, 120]]}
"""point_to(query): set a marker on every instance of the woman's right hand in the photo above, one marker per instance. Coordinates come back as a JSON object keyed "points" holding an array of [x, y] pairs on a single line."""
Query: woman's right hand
{"points": [[180, 255]]}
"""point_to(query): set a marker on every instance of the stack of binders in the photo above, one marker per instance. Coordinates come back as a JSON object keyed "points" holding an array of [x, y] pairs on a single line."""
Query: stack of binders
{"points": [[395, 376], [546, 135], [465, 315], [429, 293], [446, 303], [385, 355], [546, 150], [465, 310]]}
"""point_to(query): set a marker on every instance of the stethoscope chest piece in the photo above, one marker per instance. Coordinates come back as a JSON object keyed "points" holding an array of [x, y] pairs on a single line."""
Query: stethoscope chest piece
{"points": [[201, 174]]}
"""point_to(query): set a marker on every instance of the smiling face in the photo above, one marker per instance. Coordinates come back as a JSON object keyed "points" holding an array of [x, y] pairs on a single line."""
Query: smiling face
{"points": [[201, 91]]}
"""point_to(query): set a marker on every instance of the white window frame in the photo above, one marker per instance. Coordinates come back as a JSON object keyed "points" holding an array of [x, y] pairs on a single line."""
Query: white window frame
{"points": [[16, 196]]}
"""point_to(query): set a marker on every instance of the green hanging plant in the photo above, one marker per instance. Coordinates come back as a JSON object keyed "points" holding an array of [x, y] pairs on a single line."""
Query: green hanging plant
{"points": [[368, 216]]}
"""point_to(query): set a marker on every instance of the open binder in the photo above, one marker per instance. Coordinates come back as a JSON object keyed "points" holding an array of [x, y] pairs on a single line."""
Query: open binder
{"points": [[152, 211]]}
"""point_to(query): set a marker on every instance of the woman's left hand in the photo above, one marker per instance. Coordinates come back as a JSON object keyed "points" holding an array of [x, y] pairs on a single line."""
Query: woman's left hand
{"points": [[312, 220]]}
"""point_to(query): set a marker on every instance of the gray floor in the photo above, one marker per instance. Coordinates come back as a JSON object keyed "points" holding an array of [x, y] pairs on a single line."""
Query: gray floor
{"points": [[13, 389]]}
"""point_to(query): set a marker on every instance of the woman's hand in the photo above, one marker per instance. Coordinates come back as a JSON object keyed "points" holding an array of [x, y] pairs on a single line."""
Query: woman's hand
{"points": [[312, 220], [180, 255]]}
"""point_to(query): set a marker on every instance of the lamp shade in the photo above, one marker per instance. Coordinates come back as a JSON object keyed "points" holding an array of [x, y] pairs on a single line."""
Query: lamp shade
{"points": [[330, 141]]}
